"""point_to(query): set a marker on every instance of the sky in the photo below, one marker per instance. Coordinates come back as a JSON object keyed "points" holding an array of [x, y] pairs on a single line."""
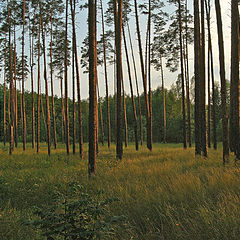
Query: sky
{"points": [[170, 78]]}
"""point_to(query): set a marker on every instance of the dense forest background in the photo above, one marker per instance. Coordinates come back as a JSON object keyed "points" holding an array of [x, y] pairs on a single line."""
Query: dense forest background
{"points": [[173, 115]]}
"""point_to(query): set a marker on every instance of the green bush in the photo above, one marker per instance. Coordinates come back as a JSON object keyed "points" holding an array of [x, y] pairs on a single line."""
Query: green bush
{"points": [[76, 214]]}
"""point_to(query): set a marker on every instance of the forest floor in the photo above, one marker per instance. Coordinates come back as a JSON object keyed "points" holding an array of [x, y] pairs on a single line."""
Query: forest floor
{"points": [[164, 194]]}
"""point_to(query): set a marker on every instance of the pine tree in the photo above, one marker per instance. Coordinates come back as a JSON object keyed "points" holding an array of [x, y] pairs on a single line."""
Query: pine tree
{"points": [[197, 77], [92, 87], [118, 32], [225, 135], [149, 145], [234, 97]]}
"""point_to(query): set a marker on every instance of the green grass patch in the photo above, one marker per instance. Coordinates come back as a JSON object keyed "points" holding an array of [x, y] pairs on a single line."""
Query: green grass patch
{"points": [[165, 194]]}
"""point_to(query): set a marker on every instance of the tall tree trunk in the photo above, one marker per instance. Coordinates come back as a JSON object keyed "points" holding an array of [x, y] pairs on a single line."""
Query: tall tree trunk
{"points": [[66, 84], [115, 96], [214, 128], [73, 92], [182, 76], [4, 100], [209, 99], [97, 125], [9, 105], [148, 118], [188, 84], [23, 79], [132, 94], [21, 111], [225, 135], [164, 104], [106, 78], [63, 110], [80, 136], [39, 71], [46, 93], [203, 85], [101, 116], [125, 115], [92, 87], [209, 78], [146, 49], [31, 44], [96, 99], [11, 100], [43, 116], [53, 104], [136, 81], [15, 92], [118, 38], [234, 97], [197, 77], [149, 80]]}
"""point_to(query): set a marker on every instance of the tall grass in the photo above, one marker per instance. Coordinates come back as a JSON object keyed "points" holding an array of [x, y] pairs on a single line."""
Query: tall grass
{"points": [[165, 194]]}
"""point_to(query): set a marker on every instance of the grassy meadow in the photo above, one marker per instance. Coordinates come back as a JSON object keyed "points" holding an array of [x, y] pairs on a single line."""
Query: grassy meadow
{"points": [[164, 194]]}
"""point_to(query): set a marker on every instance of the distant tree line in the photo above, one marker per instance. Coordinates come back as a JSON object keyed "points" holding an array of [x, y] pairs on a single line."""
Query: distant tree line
{"points": [[173, 116]]}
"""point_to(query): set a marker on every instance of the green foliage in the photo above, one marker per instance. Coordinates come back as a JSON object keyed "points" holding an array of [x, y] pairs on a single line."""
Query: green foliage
{"points": [[77, 215]]}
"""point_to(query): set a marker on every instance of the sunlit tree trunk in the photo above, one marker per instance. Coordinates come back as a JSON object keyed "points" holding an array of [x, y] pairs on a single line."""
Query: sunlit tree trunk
{"points": [[106, 78], [73, 92], [136, 81], [66, 84], [4, 100], [132, 93], [209, 100], [39, 99], [31, 44], [101, 116], [11, 99], [46, 94], [225, 135], [21, 111], [80, 136], [209, 78], [125, 115], [52, 87], [182, 76], [149, 80], [15, 92], [188, 83], [164, 104], [131, 89], [213, 113], [43, 116], [23, 79], [118, 38], [148, 118], [63, 110]]}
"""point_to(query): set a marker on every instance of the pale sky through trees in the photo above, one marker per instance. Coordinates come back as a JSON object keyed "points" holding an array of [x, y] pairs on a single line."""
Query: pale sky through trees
{"points": [[170, 78]]}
